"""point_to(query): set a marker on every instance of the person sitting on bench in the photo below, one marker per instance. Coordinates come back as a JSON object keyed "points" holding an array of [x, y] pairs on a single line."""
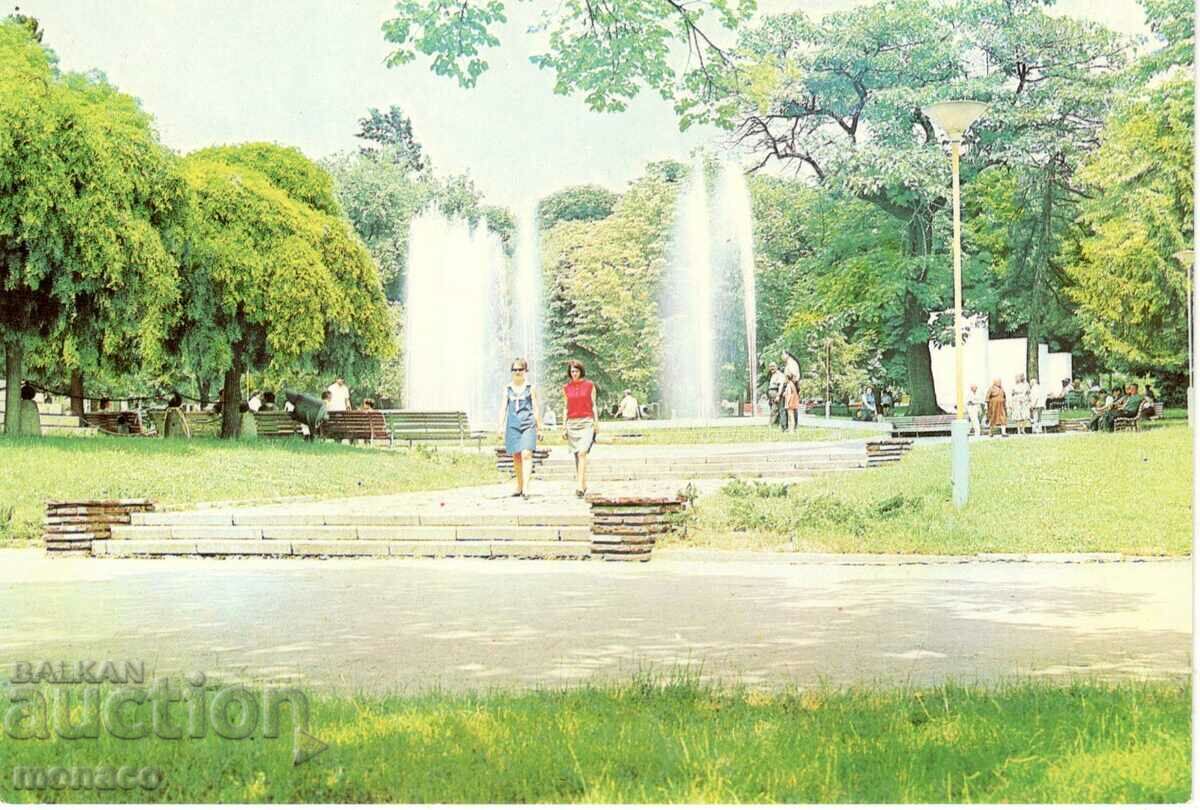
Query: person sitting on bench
{"points": [[1111, 402], [1128, 408]]}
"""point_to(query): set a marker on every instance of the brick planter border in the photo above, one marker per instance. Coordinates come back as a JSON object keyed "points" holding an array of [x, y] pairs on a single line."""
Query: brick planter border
{"points": [[70, 527], [625, 528]]}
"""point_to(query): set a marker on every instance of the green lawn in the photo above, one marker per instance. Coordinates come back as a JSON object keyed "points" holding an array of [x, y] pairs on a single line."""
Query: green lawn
{"points": [[676, 742], [1125, 492], [186, 472]]}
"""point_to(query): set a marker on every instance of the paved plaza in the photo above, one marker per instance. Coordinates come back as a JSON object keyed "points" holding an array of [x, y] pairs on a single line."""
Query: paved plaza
{"points": [[384, 625]]}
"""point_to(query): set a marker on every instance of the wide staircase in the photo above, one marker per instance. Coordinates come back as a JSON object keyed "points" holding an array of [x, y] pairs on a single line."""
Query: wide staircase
{"points": [[559, 534], [767, 461]]}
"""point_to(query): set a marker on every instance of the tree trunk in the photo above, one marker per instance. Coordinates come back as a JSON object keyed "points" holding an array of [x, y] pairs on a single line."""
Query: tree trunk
{"points": [[14, 357], [231, 399], [921, 390], [1040, 266], [77, 393]]}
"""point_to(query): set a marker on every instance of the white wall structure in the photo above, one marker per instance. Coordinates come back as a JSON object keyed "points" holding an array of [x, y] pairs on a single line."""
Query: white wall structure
{"points": [[1053, 368], [983, 359]]}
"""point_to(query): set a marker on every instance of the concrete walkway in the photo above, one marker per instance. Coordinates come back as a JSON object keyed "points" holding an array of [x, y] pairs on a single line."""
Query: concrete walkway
{"points": [[385, 625]]}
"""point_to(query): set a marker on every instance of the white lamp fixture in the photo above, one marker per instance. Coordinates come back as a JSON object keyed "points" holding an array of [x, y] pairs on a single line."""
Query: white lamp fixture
{"points": [[955, 117]]}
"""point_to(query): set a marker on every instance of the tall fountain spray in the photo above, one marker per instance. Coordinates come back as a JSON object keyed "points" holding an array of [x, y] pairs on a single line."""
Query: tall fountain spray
{"points": [[453, 317], [733, 201], [689, 377], [527, 298]]}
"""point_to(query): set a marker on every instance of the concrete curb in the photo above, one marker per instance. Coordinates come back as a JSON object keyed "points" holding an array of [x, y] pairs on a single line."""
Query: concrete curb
{"points": [[813, 558]]}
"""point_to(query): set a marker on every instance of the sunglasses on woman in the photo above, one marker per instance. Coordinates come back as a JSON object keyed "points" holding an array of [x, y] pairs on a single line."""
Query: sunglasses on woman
{"points": [[515, 369]]}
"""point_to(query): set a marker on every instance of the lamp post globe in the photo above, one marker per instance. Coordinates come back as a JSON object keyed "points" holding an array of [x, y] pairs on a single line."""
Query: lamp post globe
{"points": [[955, 118]]}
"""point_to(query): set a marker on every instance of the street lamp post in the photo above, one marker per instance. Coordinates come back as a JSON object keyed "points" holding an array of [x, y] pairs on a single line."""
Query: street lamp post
{"points": [[1188, 259], [955, 118]]}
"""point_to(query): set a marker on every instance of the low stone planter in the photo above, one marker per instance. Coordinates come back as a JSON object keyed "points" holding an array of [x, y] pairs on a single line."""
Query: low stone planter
{"points": [[887, 451], [625, 528], [70, 527]]}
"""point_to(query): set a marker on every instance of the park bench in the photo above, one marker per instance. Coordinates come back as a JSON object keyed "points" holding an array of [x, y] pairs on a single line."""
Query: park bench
{"points": [[1051, 420], [366, 426], [921, 425], [276, 425], [200, 423], [504, 462], [1134, 423], [106, 422], [430, 426]]}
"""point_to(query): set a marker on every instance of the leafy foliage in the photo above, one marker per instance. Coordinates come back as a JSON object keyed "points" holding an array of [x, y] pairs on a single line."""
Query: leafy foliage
{"points": [[576, 203], [380, 197], [601, 287], [393, 133], [608, 52], [1129, 287], [91, 202], [272, 283]]}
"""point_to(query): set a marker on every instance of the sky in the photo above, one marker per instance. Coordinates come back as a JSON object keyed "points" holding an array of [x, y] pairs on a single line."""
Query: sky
{"points": [[302, 72]]}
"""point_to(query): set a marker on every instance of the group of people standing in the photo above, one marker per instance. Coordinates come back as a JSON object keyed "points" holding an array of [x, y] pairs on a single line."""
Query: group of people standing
{"points": [[783, 395], [521, 422], [1022, 405]]}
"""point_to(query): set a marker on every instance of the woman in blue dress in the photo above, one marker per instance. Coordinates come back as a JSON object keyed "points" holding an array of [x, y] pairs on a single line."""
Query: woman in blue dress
{"points": [[520, 423]]}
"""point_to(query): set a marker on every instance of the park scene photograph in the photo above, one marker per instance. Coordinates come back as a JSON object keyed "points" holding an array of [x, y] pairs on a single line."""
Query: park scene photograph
{"points": [[597, 401]]}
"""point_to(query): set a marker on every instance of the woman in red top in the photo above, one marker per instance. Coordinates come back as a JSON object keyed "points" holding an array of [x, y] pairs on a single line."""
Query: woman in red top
{"points": [[580, 426]]}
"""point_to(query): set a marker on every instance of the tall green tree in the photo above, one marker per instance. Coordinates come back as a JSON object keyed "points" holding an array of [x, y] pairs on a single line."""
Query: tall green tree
{"points": [[391, 139], [1131, 291], [842, 98], [381, 196], [88, 194], [276, 281], [602, 279]]}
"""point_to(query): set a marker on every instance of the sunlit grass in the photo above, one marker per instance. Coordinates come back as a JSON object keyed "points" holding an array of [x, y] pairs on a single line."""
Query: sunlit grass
{"points": [[182, 473], [679, 741], [1125, 492]]}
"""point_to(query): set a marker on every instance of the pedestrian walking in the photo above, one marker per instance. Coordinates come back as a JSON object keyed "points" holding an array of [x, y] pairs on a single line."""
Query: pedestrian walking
{"points": [[775, 385], [791, 393], [1019, 404], [581, 423], [1037, 404], [997, 411], [974, 404], [520, 423]]}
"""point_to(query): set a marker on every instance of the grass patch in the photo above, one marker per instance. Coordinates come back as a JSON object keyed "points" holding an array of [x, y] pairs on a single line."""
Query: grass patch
{"points": [[650, 741], [1125, 492], [186, 472]]}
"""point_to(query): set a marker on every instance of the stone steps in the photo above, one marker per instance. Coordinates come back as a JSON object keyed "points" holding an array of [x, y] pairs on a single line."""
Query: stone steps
{"points": [[517, 549], [349, 533], [821, 464], [356, 519], [668, 472], [738, 460]]}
